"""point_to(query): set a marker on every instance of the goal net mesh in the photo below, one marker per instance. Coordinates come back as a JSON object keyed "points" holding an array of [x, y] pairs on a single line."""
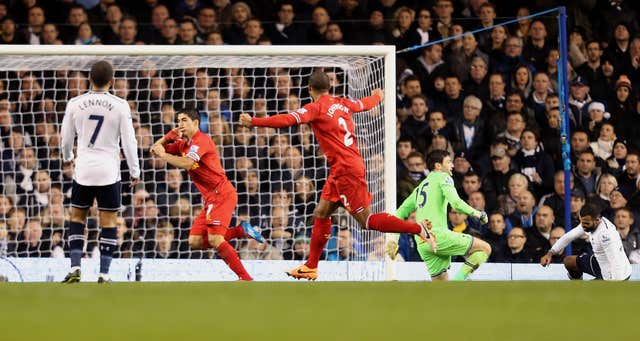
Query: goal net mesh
{"points": [[279, 173]]}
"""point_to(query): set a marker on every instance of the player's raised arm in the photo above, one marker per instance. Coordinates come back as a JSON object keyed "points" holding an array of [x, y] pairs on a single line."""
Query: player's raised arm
{"points": [[170, 141], [366, 103], [129, 144], [68, 132]]}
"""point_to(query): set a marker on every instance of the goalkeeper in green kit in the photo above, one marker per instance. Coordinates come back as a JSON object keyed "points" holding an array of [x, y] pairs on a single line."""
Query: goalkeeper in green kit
{"points": [[429, 200]]}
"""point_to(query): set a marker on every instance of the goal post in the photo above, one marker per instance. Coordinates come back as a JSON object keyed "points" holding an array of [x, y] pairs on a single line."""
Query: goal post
{"points": [[36, 84]]}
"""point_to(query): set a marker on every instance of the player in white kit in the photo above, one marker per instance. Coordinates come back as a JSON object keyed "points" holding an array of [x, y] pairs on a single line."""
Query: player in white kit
{"points": [[608, 261], [101, 121]]}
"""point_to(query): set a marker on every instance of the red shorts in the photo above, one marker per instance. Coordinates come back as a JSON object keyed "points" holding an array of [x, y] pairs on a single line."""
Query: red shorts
{"points": [[349, 189], [216, 214]]}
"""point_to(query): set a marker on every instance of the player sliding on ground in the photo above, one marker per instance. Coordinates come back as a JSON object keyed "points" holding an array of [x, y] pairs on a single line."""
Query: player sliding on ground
{"points": [[429, 200], [608, 260], [188, 148], [330, 119]]}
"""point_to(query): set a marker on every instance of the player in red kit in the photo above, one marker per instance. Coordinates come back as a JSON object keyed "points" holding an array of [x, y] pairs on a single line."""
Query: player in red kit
{"points": [[330, 119], [188, 148]]}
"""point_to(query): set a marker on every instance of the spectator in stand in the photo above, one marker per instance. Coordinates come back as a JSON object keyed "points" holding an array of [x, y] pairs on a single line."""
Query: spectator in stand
{"points": [[460, 60], [591, 70], [319, 23], [416, 172], [532, 161], [333, 35], [470, 184], [253, 32], [587, 174], [478, 83], [417, 125], [471, 133], [628, 180], [537, 48], [240, 14], [409, 88], [496, 236], [496, 182], [34, 242], [8, 34], [85, 35], [169, 32], [629, 232], [207, 20], [429, 66], [606, 184], [516, 252], [516, 124], [525, 211], [615, 163], [284, 31], [127, 32], [538, 237], [188, 33], [452, 104], [50, 35], [36, 19], [506, 62]]}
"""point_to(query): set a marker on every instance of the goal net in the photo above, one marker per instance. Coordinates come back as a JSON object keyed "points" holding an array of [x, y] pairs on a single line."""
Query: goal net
{"points": [[279, 173]]}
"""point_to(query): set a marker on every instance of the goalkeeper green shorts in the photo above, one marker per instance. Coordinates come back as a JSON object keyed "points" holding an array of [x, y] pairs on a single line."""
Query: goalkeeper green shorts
{"points": [[449, 244]]}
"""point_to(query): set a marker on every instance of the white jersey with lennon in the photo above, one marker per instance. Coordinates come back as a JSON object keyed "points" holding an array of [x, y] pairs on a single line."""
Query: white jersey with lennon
{"points": [[607, 248], [100, 120]]}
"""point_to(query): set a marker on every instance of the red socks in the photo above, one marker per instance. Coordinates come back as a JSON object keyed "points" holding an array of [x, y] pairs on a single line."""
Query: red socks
{"points": [[234, 232], [320, 234], [230, 256], [385, 222]]}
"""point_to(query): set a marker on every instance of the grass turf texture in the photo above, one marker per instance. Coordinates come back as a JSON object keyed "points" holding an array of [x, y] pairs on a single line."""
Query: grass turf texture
{"points": [[593, 310]]}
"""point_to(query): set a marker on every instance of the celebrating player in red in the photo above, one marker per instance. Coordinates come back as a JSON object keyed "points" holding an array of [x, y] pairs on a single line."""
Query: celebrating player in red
{"points": [[330, 119], [188, 148]]}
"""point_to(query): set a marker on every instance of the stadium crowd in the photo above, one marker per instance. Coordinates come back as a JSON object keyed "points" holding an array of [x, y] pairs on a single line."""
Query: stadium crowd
{"points": [[489, 98]]}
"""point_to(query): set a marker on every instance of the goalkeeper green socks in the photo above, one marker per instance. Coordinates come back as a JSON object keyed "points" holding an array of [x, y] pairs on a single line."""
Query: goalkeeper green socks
{"points": [[470, 264]]}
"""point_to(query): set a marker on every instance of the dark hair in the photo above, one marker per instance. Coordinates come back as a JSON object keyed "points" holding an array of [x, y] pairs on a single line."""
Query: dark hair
{"points": [[405, 138], [472, 173], [410, 79], [415, 154], [192, 113], [101, 73], [436, 156], [591, 209], [319, 81]]}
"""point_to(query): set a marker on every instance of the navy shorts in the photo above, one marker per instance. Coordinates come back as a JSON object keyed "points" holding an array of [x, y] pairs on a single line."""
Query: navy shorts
{"points": [[588, 264], [108, 196]]}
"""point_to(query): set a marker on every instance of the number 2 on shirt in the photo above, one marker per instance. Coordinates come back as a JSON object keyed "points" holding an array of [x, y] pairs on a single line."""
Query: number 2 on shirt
{"points": [[94, 136], [348, 137]]}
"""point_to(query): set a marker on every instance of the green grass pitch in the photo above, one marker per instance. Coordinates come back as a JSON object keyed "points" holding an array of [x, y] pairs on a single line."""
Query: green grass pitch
{"points": [[592, 310]]}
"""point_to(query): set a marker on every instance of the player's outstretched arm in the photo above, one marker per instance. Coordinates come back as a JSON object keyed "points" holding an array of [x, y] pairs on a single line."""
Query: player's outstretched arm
{"points": [[277, 121], [366, 103], [567, 238], [450, 193]]}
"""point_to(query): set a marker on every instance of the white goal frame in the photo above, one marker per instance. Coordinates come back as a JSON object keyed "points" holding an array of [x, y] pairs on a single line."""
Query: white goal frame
{"points": [[388, 52]]}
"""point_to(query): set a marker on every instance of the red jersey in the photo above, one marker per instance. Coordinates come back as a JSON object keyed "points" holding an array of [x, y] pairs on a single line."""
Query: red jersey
{"points": [[330, 119], [207, 172]]}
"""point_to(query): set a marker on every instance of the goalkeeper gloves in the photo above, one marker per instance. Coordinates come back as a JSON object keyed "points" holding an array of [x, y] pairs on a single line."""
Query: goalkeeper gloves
{"points": [[392, 249], [484, 219]]}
